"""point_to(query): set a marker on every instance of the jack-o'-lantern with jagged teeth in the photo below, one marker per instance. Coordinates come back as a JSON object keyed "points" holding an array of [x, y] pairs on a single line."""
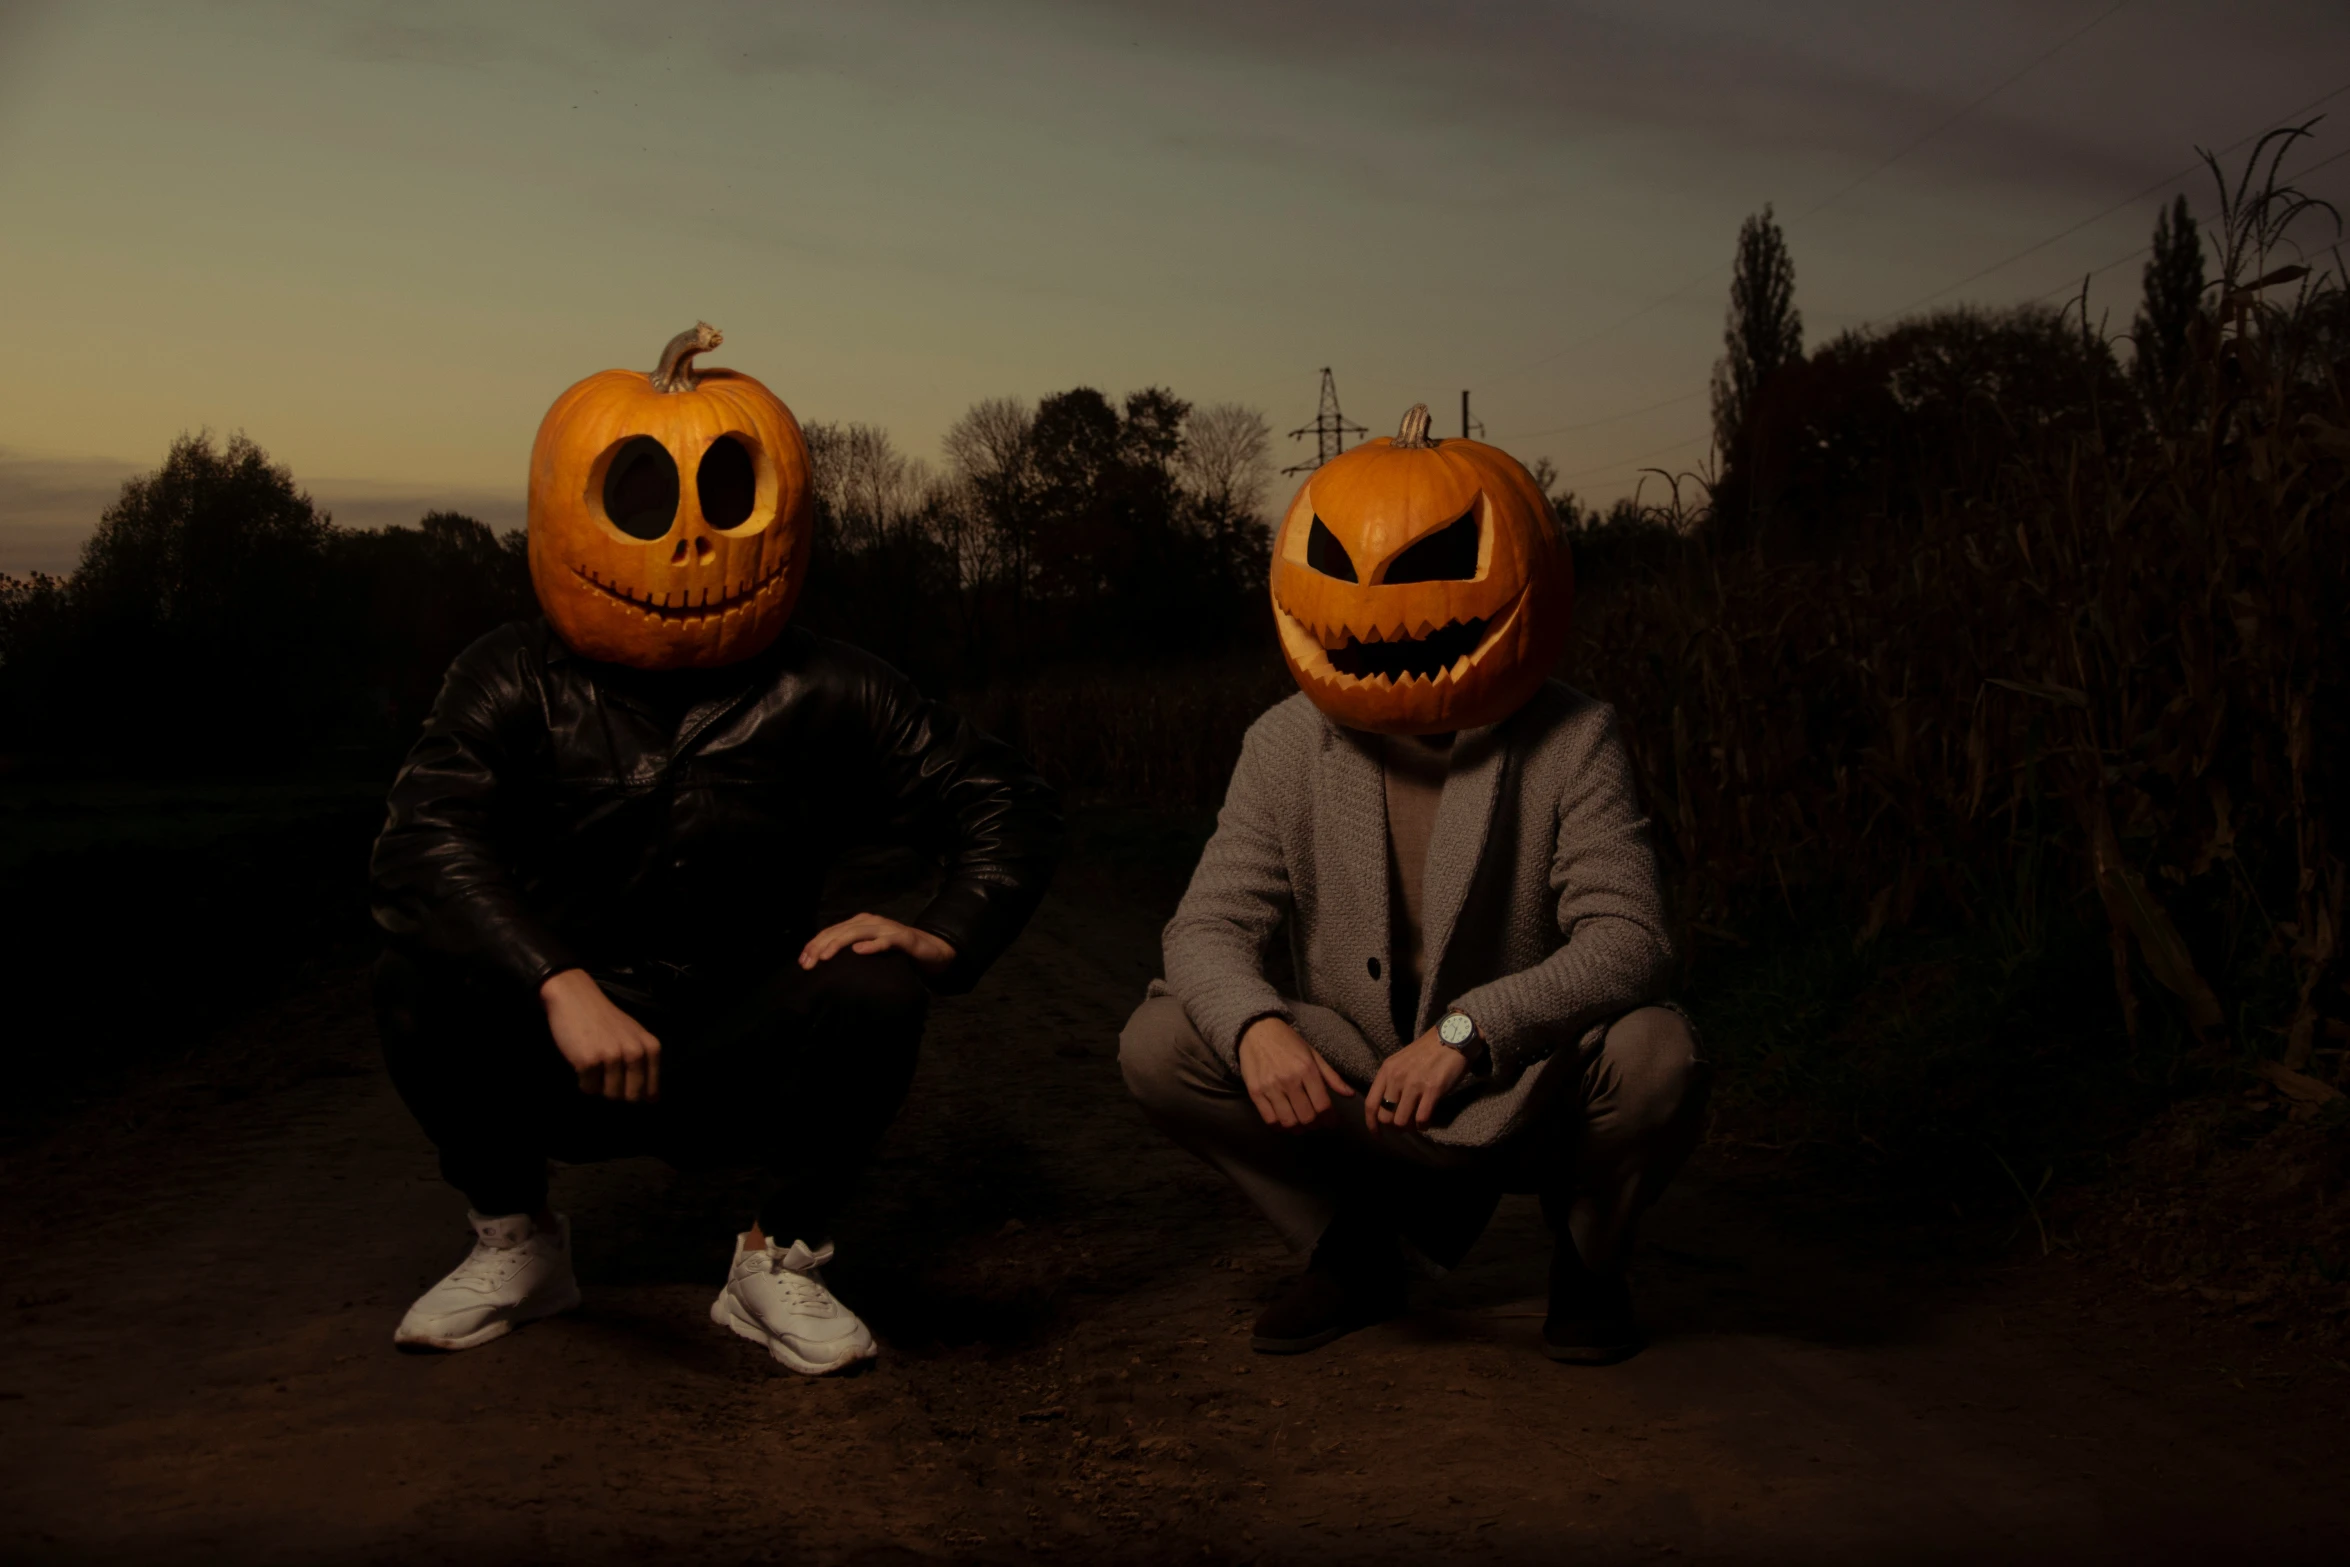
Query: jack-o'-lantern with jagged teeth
{"points": [[669, 513], [1421, 585]]}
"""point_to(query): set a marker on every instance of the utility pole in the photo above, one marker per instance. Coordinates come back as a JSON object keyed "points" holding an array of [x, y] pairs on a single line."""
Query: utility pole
{"points": [[1329, 429], [1469, 426]]}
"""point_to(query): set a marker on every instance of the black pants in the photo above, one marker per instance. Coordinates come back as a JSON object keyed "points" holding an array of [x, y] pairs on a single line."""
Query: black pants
{"points": [[800, 1071]]}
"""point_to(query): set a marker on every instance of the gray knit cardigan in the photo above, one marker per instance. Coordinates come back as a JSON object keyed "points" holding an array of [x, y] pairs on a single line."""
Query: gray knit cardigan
{"points": [[1543, 916]]}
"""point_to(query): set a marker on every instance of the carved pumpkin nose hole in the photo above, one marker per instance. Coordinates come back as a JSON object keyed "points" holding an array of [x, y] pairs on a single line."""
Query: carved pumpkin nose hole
{"points": [[677, 555], [727, 483], [1449, 556], [1326, 555], [704, 549], [640, 489]]}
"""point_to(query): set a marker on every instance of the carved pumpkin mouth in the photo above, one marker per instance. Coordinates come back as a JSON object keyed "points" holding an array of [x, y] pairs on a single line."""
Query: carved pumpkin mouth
{"points": [[687, 605], [1439, 655]]}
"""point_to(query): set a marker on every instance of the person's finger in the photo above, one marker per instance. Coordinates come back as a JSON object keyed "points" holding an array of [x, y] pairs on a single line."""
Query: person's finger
{"points": [[1315, 1094], [828, 940], [652, 1067], [591, 1080], [632, 1076], [856, 933], [1338, 1085], [1264, 1108], [1301, 1105]]}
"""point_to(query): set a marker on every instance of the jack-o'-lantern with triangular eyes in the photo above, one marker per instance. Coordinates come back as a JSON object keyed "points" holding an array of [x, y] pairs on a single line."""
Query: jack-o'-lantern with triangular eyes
{"points": [[1421, 585], [669, 513]]}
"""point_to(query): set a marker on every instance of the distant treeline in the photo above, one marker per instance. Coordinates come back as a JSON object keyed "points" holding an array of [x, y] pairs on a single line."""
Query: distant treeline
{"points": [[217, 619]]}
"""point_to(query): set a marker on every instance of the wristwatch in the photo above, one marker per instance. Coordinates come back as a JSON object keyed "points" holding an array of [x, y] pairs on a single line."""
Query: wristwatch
{"points": [[1459, 1030]]}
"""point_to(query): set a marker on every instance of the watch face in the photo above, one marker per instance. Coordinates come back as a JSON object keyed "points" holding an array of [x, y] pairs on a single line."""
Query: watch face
{"points": [[1456, 1029]]}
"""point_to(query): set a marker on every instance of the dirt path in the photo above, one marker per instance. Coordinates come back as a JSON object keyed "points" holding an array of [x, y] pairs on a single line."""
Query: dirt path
{"points": [[201, 1280]]}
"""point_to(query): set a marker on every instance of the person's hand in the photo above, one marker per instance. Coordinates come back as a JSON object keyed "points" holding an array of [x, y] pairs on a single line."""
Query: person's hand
{"points": [[874, 933], [611, 1051], [1287, 1079], [1411, 1081]]}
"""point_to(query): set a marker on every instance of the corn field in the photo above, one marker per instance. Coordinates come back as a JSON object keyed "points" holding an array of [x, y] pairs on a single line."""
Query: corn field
{"points": [[2107, 676], [2113, 671]]}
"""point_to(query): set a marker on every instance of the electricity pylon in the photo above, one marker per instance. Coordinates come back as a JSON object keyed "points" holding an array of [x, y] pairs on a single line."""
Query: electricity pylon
{"points": [[1329, 429]]}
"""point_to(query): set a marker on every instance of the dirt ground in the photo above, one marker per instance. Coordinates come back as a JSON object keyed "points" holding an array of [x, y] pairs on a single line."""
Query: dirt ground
{"points": [[202, 1274]]}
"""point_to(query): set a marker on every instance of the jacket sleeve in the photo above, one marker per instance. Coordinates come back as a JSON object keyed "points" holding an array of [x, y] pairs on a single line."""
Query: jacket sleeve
{"points": [[1239, 894], [981, 807], [439, 882], [1618, 953]]}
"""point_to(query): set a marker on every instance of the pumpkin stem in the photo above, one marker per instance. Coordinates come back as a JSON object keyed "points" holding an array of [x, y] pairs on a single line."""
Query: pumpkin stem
{"points": [[675, 373], [1414, 436]]}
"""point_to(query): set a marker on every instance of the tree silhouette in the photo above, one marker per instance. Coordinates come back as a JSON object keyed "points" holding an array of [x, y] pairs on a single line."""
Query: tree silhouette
{"points": [[2173, 299], [1764, 330], [1225, 465]]}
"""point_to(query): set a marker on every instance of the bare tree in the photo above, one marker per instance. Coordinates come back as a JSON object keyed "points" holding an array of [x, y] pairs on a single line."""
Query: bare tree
{"points": [[992, 468], [1227, 458], [989, 444], [864, 485]]}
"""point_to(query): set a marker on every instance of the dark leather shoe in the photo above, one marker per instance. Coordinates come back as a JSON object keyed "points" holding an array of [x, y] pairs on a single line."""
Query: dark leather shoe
{"points": [[1355, 1279], [1590, 1321]]}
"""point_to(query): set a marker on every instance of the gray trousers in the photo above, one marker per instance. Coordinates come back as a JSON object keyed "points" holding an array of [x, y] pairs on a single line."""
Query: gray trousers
{"points": [[1599, 1151]]}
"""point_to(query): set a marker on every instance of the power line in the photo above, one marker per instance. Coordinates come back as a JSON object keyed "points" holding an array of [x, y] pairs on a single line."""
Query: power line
{"points": [[2029, 250], [2137, 196], [1593, 424], [2069, 286], [1632, 462], [2045, 55], [1712, 273]]}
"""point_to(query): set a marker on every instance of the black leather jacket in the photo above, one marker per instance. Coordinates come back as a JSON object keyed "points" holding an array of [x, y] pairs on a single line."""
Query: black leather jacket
{"points": [[561, 813]]}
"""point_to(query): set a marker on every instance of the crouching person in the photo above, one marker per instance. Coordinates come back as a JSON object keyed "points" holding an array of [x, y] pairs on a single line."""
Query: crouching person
{"points": [[1452, 845], [600, 871]]}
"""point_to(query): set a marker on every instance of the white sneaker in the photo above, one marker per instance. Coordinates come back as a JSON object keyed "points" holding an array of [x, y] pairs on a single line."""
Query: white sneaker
{"points": [[774, 1296], [516, 1273]]}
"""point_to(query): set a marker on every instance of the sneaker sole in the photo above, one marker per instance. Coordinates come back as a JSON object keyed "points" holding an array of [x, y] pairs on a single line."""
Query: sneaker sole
{"points": [[728, 1315], [529, 1312]]}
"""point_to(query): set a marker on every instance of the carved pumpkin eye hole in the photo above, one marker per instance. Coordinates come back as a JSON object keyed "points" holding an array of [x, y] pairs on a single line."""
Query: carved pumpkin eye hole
{"points": [[1449, 556], [640, 489], [727, 483], [1326, 555]]}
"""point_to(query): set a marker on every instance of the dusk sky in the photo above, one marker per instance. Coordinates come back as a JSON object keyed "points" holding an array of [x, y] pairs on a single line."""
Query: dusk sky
{"points": [[381, 238]]}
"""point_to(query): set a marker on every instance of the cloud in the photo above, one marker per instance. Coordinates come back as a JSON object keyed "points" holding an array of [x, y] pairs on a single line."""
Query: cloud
{"points": [[1804, 80]]}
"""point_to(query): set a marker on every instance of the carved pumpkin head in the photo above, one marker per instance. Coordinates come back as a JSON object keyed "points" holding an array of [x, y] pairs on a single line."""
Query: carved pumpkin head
{"points": [[669, 513], [1421, 586]]}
